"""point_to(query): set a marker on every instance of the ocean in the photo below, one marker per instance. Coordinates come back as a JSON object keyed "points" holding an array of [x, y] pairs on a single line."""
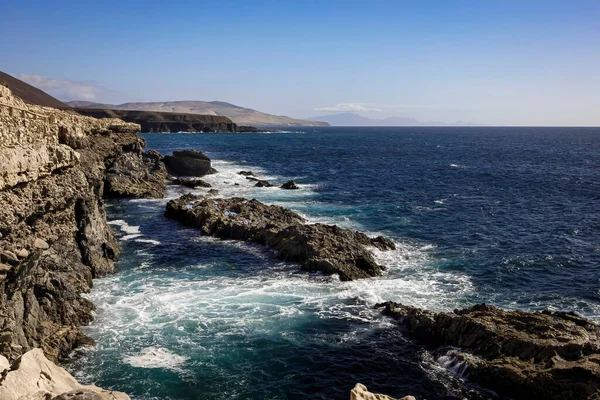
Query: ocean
{"points": [[505, 216]]}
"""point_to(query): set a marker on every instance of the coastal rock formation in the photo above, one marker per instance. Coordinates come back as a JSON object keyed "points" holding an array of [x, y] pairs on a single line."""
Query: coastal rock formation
{"points": [[318, 247], [32, 376], [261, 183], [188, 163], [153, 121], [524, 355], [56, 168], [191, 182], [290, 185], [360, 392]]}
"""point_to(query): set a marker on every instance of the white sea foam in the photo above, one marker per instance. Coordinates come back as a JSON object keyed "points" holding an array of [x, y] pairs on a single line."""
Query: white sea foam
{"points": [[149, 241], [125, 227], [155, 357]]}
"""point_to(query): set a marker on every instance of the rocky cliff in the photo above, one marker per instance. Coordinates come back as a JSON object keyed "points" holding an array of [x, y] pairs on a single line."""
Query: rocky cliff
{"points": [[56, 167], [154, 121]]}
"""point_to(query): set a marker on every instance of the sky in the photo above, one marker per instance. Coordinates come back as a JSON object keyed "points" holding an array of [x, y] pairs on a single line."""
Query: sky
{"points": [[490, 62]]}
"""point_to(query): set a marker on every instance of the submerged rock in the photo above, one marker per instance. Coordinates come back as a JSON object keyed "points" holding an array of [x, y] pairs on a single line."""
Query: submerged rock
{"points": [[291, 185], [263, 184], [318, 247], [246, 173], [525, 355], [360, 392], [188, 163], [33, 376], [191, 182]]}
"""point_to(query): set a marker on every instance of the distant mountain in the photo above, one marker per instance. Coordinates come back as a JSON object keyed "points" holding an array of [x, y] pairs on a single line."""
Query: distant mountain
{"points": [[353, 119], [239, 115], [30, 94]]}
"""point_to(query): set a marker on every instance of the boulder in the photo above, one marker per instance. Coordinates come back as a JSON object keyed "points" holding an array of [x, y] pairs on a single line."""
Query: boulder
{"points": [[191, 182], [23, 253], [263, 184], [8, 257], [325, 248], [360, 392], [188, 163], [246, 173], [33, 376], [213, 192], [41, 244], [520, 354], [291, 185]]}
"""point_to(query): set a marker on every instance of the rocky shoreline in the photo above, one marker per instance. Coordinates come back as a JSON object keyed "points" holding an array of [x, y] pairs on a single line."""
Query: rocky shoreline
{"points": [[57, 169], [521, 354]]}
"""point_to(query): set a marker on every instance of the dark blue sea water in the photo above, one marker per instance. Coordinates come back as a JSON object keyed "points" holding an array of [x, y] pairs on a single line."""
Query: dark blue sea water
{"points": [[507, 216]]}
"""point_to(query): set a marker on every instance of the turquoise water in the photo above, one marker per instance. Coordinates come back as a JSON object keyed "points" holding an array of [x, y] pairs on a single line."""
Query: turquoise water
{"points": [[508, 216]]}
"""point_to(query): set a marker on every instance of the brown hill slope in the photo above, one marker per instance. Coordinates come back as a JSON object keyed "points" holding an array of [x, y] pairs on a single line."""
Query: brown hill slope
{"points": [[239, 115], [30, 94]]}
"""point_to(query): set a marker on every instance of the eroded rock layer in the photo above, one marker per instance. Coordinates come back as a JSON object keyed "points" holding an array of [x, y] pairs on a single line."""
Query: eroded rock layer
{"points": [[55, 168], [316, 247], [524, 355]]}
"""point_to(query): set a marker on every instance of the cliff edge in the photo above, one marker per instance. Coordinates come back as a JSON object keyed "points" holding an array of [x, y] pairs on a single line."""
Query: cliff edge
{"points": [[57, 166]]}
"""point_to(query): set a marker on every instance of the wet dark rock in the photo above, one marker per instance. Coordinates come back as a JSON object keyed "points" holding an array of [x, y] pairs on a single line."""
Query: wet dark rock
{"points": [[325, 248], [188, 163], [263, 184], [191, 182], [291, 185], [246, 173], [524, 355], [213, 191]]}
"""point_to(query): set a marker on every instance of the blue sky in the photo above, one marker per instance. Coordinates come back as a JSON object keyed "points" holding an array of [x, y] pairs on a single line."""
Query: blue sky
{"points": [[492, 62]]}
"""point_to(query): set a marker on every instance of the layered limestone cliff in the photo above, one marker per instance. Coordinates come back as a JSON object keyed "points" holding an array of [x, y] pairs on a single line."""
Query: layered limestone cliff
{"points": [[157, 121], [55, 168]]}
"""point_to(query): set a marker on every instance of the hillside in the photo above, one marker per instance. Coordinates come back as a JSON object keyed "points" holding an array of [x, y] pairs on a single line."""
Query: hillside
{"points": [[239, 115], [30, 94]]}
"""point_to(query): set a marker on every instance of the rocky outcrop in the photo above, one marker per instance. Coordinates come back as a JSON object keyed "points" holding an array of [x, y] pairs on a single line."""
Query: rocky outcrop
{"points": [[188, 163], [262, 183], [524, 355], [33, 377], [290, 185], [360, 392], [191, 182], [56, 168], [158, 121], [325, 248]]}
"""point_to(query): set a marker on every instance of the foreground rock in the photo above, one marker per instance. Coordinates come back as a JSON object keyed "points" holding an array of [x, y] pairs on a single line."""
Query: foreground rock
{"points": [[325, 248], [360, 392], [525, 355], [188, 163], [33, 377]]}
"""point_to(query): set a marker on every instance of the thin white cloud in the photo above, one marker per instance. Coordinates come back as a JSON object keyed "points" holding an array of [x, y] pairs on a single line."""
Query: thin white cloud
{"points": [[66, 89], [349, 107], [368, 107]]}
